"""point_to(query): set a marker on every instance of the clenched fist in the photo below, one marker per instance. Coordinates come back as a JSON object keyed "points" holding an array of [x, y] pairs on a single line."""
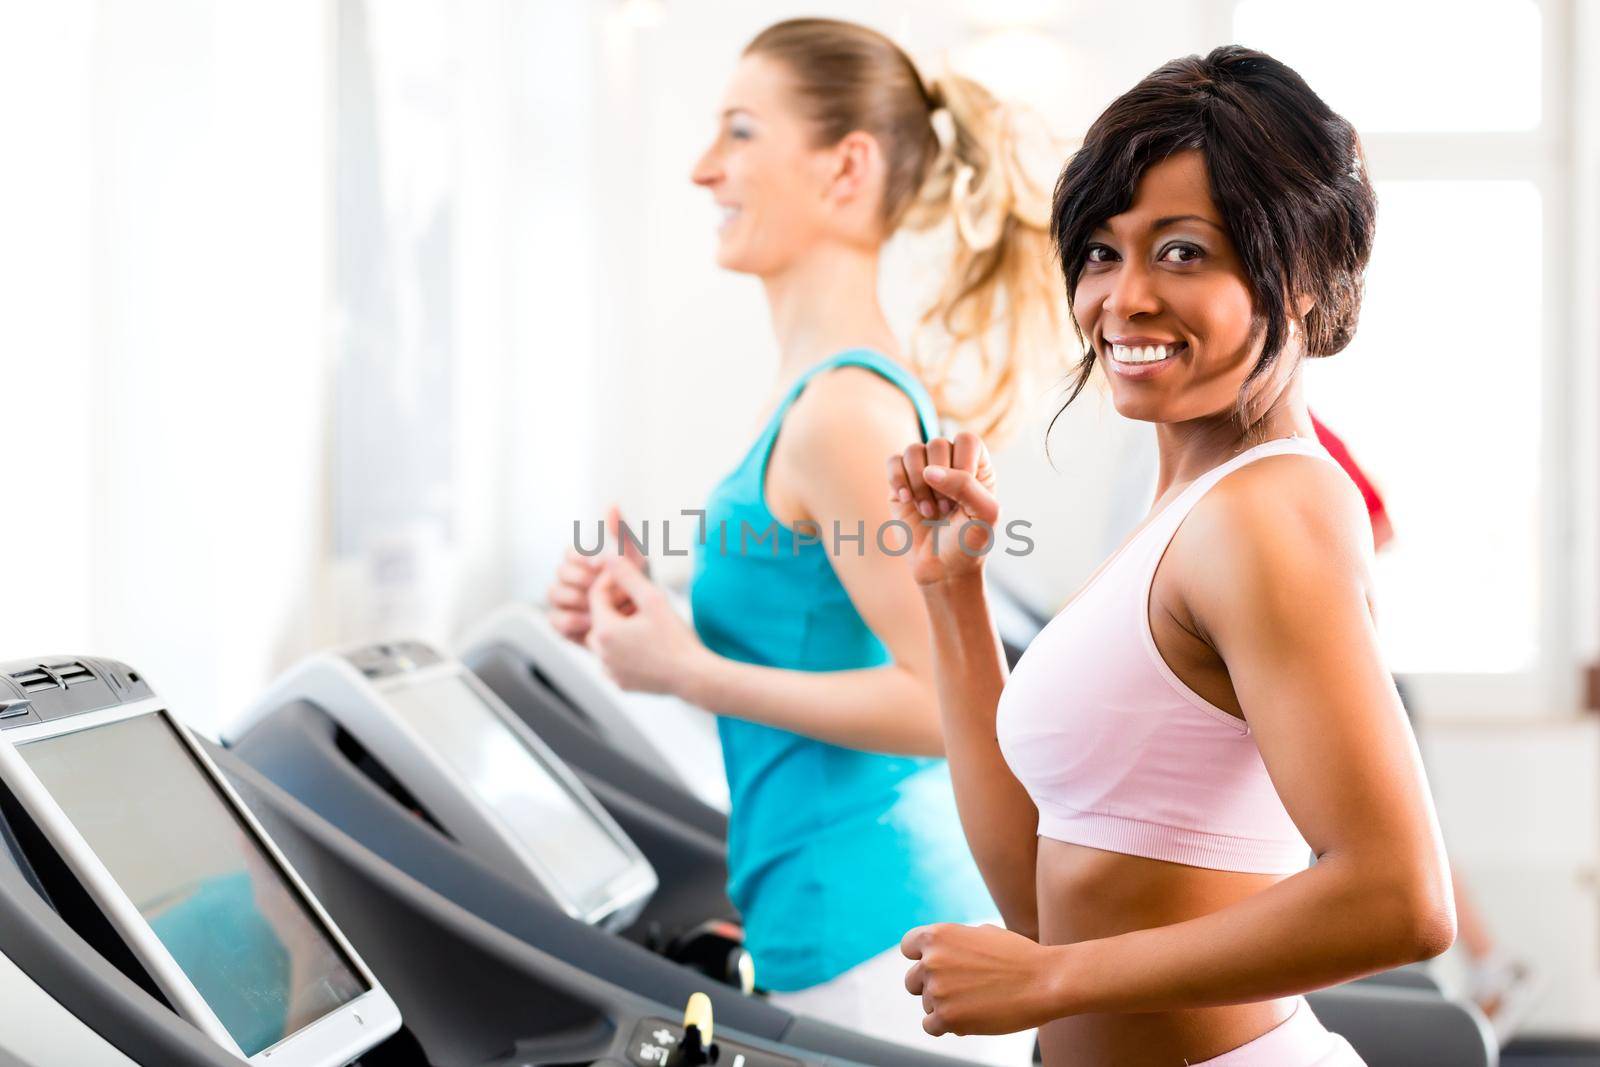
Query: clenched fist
{"points": [[944, 491]]}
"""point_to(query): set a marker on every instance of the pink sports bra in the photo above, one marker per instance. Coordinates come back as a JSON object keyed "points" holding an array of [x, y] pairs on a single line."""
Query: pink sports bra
{"points": [[1117, 753]]}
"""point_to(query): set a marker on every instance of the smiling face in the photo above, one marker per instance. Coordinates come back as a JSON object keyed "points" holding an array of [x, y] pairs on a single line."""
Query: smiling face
{"points": [[768, 180], [1165, 301]]}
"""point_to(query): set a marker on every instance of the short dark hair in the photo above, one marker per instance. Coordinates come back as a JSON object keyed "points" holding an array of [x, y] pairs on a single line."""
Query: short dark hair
{"points": [[1287, 173]]}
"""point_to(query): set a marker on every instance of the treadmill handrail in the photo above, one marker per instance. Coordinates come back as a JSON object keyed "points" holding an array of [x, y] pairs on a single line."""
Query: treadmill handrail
{"points": [[826, 1045]]}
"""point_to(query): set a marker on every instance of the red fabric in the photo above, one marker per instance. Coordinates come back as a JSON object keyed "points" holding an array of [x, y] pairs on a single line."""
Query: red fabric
{"points": [[1376, 512]]}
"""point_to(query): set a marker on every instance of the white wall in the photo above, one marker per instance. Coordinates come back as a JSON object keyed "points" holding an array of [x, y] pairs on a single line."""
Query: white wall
{"points": [[46, 273], [169, 356], [214, 248], [177, 338], [561, 424]]}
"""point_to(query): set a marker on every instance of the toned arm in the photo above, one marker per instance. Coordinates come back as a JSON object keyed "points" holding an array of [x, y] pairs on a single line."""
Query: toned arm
{"points": [[826, 469], [1279, 587], [997, 815], [1270, 570]]}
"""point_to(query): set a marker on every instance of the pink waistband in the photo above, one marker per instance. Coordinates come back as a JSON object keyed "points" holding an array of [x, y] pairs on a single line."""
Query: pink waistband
{"points": [[1298, 1041]]}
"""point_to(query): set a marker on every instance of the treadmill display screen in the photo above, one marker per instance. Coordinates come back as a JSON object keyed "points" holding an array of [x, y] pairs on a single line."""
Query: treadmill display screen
{"points": [[530, 802], [242, 935]]}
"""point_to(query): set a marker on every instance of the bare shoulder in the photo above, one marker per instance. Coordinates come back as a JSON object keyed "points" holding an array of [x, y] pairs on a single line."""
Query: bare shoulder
{"points": [[829, 458], [851, 406], [1282, 515]]}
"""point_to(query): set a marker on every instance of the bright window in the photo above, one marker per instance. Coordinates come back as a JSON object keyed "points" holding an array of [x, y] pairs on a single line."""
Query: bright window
{"points": [[1450, 331]]}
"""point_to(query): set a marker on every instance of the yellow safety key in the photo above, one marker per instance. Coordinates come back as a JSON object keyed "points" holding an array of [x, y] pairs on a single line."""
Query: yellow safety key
{"points": [[698, 1014]]}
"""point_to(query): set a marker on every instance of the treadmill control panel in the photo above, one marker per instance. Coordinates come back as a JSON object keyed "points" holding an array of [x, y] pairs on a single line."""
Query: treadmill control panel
{"points": [[654, 1039], [39, 690], [390, 659]]}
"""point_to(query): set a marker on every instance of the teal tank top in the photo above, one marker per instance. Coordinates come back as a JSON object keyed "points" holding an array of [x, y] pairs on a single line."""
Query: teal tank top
{"points": [[833, 853]]}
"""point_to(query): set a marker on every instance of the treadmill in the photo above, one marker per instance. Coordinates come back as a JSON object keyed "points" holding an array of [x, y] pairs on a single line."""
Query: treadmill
{"points": [[141, 895], [668, 737], [403, 750], [178, 909], [427, 729], [297, 743], [38, 1030], [639, 755], [646, 758]]}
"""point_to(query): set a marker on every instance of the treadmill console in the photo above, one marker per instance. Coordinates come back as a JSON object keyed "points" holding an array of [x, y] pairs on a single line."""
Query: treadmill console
{"points": [[475, 770], [131, 806], [672, 738]]}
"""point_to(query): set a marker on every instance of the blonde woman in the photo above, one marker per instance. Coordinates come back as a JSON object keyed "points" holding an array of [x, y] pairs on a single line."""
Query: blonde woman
{"points": [[809, 639]]}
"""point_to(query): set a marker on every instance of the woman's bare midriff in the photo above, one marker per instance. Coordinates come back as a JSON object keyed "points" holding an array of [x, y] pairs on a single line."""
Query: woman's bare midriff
{"points": [[1085, 893]]}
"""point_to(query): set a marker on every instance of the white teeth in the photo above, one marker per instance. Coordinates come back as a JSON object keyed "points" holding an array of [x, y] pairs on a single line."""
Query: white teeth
{"points": [[1141, 353], [728, 214]]}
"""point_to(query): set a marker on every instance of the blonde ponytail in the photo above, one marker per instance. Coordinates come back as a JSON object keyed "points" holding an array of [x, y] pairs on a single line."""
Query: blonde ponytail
{"points": [[1001, 276], [953, 154]]}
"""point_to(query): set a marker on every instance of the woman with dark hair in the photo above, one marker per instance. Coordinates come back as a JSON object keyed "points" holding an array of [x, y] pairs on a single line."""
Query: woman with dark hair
{"points": [[1211, 710], [808, 639]]}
